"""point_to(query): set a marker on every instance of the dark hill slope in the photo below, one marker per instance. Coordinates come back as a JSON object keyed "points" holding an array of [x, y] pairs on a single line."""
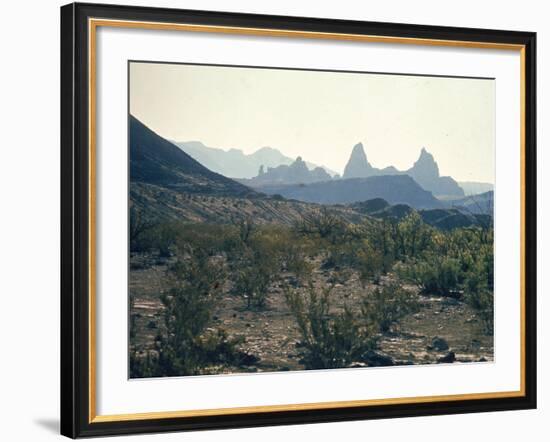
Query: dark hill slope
{"points": [[154, 160]]}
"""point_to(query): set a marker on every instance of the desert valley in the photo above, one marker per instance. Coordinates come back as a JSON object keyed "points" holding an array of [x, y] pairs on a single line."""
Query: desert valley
{"points": [[296, 267]]}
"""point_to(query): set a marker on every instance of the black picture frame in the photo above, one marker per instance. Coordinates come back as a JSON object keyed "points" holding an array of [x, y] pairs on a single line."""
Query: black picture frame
{"points": [[75, 220]]}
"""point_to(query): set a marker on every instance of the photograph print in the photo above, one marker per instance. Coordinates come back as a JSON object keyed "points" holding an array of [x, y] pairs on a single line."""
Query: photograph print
{"points": [[286, 219]]}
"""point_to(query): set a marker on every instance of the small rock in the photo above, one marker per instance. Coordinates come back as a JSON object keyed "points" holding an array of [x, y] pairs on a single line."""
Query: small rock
{"points": [[448, 358], [375, 359]]}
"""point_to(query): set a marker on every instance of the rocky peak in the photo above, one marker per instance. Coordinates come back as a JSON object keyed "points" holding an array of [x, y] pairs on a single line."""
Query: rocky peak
{"points": [[297, 172], [358, 165], [425, 167], [299, 167]]}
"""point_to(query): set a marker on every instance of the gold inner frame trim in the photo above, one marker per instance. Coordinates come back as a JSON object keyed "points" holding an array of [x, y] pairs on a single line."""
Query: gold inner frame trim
{"points": [[93, 24]]}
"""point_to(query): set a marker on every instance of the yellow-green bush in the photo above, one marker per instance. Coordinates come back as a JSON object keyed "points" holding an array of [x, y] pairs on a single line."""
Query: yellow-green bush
{"points": [[328, 340]]}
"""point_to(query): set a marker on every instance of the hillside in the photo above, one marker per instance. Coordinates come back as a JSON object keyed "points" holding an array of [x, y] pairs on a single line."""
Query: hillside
{"points": [[482, 203], [396, 189], [170, 205], [154, 160], [167, 184], [444, 219]]}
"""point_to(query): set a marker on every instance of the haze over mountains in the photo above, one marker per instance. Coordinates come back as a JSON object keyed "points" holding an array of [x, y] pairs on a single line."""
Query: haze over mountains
{"points": [[475, 188], [269, 167], [156, 161], [424, 171], [165, 179], [234, 163], [396, 189], [166, 183], [295, 173]]}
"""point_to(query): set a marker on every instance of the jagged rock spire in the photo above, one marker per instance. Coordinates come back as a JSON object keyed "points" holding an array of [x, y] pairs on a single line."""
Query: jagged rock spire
{"points": [[358, 165], [425, 168]]}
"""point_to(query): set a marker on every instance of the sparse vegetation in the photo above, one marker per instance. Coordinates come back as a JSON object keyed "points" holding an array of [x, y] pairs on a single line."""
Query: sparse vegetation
{"points": [[385, 306], [225, 278], [328, 339], [395, 262]]}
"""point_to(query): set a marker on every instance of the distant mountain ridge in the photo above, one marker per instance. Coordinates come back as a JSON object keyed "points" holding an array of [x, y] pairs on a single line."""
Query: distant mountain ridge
{"points": [[234, 163], [156, 163], [396, 189], [475, 187], [295, 173], [445, 219], [166, 183], [155, 160], [482, 203], [425, 172]]}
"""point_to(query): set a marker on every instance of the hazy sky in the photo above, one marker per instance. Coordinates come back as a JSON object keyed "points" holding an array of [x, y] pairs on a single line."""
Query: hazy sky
{"points": [[322, 115]]}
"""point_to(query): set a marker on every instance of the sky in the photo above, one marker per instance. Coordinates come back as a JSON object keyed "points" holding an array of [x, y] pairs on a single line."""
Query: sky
{"points": [[320, 116]]}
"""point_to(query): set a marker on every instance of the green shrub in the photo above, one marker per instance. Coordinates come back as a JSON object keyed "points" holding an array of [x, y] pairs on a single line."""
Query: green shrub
{"points": [[327, 340], [294, 261], [481, 300], [144, 366], [479, 287], [196, 283], [437, 275], [322, 224], [163, 237], [370, 265], [387, 305], [210, 238], [252, 283], [139, 226], [246, 228], [267, 252], [412, 237], [381, 238], [217, 348]]}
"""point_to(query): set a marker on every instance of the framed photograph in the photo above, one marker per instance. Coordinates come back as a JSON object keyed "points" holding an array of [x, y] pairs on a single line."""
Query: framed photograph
{"points": [[274, 220]]}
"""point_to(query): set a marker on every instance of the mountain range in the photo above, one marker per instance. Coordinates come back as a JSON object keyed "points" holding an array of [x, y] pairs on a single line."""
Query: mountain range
{"points": [[445, 219], [396, 189], [482, 203], [424, 171], [170, 183], [166, 183], [295, 173], [475, 187], [235, 163], [154, 160], [268, 166]]}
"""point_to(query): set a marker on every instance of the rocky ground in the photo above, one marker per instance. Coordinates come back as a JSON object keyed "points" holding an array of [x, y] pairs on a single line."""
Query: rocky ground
{"points": [[444, 330]]}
